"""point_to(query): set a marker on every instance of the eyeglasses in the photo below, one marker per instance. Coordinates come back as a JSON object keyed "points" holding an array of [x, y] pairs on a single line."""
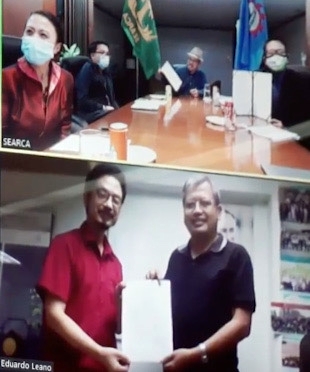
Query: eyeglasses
{"points": [[103, 53], [272, 53], [105, 195]]}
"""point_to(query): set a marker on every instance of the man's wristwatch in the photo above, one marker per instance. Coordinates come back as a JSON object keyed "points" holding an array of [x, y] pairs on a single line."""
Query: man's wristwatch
{"points": [[204, 356]]}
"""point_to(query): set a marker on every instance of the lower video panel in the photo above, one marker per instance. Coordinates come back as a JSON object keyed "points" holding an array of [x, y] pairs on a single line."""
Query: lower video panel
{"points": [[226, 257]]}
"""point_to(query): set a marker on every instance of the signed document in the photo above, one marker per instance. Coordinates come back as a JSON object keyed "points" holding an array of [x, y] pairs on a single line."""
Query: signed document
{"points": [[147, 320], [172, 77]]}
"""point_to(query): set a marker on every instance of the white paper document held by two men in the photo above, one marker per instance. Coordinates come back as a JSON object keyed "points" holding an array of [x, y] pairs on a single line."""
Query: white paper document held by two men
{"points": [[147, 323]]}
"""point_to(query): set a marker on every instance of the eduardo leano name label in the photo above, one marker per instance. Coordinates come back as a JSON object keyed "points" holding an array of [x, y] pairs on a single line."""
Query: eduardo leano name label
{"points": [[12, 364]]}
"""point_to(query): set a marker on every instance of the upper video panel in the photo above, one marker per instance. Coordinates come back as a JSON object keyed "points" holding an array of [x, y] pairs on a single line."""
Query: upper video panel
{"points": [[71, 234], [226, 90]]}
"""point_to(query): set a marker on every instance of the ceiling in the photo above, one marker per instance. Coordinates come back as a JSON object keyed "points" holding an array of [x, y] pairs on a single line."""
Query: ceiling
{"points": [[208, 14]]}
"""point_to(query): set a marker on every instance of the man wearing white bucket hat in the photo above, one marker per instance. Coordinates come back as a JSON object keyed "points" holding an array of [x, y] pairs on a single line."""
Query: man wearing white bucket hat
{"points": [[193, 79]]}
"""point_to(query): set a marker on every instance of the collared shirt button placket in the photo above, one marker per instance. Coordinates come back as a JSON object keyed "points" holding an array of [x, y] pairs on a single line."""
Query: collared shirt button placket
{"points": [[101, 279]]}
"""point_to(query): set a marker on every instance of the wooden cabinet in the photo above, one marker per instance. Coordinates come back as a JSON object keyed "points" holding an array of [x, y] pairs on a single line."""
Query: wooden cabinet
{"points": [[15, 14]]}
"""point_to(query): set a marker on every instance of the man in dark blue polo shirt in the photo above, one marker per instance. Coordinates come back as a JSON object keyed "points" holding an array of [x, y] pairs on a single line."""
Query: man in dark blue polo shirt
{"points": [[211, 287], [193, 79]]}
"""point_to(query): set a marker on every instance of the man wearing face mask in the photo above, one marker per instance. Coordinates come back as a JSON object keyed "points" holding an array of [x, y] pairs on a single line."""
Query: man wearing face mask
{"points": [[94, 85], [290, 89]]}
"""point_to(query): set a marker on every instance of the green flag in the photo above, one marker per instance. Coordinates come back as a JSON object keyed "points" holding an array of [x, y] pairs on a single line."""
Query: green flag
{"points": [[139, 26]]}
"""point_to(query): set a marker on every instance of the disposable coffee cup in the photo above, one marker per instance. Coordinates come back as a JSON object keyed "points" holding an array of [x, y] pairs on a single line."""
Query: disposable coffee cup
{"points": [[118, 139]]}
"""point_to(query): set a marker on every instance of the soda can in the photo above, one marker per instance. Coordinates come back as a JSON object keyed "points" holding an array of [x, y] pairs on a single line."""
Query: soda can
{"points": [[229, 114]]}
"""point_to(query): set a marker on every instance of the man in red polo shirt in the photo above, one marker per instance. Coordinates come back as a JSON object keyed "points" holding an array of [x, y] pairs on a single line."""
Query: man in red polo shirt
{"points": [[79, 282]]}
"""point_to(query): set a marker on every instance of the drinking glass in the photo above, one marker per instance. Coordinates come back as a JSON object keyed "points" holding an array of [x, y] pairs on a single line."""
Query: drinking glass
{"points": [[94, 143], [207, 93]]}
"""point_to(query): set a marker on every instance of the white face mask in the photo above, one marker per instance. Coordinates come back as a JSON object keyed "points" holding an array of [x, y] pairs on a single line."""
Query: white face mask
{"points": [[104, 62], [37, 51], [276, 62]]}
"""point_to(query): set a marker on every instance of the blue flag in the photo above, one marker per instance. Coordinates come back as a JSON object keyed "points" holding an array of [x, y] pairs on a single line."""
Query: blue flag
{"points": [[252, 35]]}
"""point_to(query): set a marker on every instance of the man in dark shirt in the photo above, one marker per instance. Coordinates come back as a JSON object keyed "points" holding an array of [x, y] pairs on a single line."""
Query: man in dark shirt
{"points": [[304, 351], [212, 289], [94, 85], [290, 89], [193, 79]]}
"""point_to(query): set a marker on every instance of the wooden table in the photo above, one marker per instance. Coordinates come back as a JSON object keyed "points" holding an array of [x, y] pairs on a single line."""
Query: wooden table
{"points": [[181, 137]]}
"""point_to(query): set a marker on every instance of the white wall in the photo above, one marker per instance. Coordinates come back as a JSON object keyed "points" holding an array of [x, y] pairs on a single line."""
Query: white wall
{"points": [[293, 36]]}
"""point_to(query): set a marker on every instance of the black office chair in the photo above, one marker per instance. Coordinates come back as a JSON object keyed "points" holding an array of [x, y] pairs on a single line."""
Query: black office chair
{"points": [[302, 129], [74, 64], [11, 52]]}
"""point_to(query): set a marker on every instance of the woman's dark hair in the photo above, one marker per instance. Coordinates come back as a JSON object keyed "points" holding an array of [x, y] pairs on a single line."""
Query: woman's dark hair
{"points": [[104, 169], [54, 21], [92, 47]]}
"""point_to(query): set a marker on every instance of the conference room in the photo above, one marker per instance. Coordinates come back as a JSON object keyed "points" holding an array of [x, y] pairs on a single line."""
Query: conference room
{"points": [[149, 228], [186, 131]]}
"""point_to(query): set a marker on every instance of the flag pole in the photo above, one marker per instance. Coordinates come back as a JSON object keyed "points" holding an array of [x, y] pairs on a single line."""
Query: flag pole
{"points": [[137, 77]]}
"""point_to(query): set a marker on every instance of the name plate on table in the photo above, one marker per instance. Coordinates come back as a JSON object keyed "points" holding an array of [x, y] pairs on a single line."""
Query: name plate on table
{"points": [[147, 321]]}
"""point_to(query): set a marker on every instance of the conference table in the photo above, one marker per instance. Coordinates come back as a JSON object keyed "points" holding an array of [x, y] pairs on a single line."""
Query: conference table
{"points": [[181, 137]]}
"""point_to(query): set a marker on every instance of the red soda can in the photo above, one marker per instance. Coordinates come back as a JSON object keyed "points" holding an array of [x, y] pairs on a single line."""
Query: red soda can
{"points": [[229, 110], [229, 115]]}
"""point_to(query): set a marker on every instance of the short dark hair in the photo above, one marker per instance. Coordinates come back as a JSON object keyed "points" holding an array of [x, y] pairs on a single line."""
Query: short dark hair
{"points": [[54, 21], [268, 41], [92, 47], [106, 169], [197, 181]]}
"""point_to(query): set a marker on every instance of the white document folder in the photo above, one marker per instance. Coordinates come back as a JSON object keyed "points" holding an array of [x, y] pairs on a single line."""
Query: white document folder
{"points": [[252, 93], [146, 367], [147, 320], [172, 77]]}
